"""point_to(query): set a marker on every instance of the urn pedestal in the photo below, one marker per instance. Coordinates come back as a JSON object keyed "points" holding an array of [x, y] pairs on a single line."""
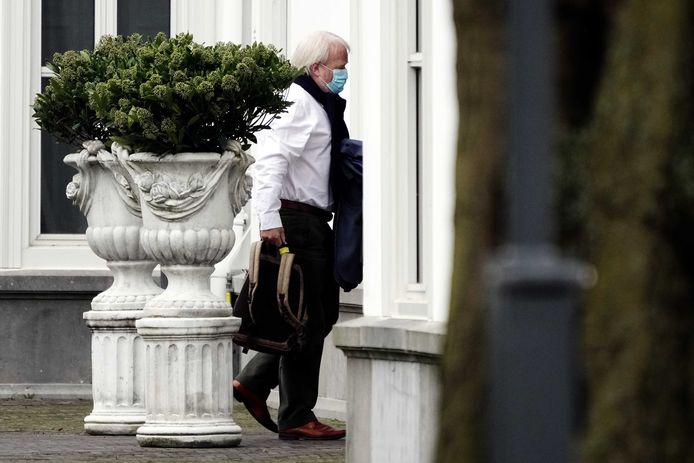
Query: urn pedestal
{"points": [[104, 195], [189, 202], [189, 373], [118, 373]]}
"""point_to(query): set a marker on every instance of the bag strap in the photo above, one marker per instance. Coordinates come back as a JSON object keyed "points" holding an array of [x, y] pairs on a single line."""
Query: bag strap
{"points": [[285, 271], [254, 262], [286, 264], [253, 270]]}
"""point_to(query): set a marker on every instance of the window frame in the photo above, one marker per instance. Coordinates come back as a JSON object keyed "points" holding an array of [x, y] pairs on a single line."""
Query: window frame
{"points": [[412, 264], [45, 250]]}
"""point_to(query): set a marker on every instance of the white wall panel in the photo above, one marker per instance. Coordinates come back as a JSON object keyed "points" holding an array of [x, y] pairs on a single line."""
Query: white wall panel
{"points": [[229, 21], [304, 16], [210, 21], [269, 22]]}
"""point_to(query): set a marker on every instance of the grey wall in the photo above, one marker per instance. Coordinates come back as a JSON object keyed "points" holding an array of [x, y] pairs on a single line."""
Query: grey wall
{"points": [[43, 339]]}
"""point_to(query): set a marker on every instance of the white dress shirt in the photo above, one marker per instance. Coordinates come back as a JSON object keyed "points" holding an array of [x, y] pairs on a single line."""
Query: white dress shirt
{"points": [[293, 159]]}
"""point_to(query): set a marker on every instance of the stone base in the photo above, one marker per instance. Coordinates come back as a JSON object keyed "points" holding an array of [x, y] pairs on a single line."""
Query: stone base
{"points": [[221, 434], [111, 423], [392, 366], [189, 373], [118, 376]]}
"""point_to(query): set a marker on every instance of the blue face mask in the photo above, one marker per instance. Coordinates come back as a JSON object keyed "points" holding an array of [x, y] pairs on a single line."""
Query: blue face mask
{"points": [[337, 83]]}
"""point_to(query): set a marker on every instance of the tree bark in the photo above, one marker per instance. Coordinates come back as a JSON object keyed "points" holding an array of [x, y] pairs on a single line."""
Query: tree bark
{"points": [[481, 90], [637, 320]]}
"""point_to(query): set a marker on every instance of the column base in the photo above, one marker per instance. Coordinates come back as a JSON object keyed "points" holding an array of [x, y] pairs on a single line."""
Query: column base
{"points": [[114, 424], [189, 373], [118, 375], [226, 434]]}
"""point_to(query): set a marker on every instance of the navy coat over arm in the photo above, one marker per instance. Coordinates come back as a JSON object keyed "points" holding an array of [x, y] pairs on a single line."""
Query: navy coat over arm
{"points": [[348, 193]]}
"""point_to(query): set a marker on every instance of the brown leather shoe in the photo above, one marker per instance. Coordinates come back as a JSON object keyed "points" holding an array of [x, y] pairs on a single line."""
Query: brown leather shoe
{"points": [[255, 406], [313, 430]]}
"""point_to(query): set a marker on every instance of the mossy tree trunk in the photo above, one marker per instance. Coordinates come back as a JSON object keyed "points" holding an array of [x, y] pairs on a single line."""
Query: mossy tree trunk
{"points": [[481, 89], [638, 318]]}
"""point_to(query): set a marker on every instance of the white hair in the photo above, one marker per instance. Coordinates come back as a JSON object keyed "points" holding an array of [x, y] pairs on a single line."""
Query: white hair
{"points": [[315, 48]]}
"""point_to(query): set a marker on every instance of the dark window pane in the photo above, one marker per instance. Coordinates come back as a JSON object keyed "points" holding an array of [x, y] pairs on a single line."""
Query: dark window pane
{"points": [[58, 214], [66, 25], [146, 17]]}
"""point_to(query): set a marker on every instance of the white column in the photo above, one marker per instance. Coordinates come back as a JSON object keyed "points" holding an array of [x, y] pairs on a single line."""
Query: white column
{"points": [[441, 82], [105, 18], [374, 97], [16, 70]]}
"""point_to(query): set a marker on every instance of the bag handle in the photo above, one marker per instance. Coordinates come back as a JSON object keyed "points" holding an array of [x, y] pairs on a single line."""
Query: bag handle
{"points": [[286, 263]]}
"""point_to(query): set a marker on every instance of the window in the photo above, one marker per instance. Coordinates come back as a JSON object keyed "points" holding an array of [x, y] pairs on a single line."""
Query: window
{"points": [[144, 17], [412, 298], [416, 162], [412, 189], [70, 25], [65, 25]]}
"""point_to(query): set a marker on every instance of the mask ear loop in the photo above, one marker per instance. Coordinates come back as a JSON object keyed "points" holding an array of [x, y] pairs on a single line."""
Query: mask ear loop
{"points": [[321, 79]]}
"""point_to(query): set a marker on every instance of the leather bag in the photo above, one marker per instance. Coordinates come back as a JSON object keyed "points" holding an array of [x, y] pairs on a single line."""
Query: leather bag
{"points": [[271, 303]]}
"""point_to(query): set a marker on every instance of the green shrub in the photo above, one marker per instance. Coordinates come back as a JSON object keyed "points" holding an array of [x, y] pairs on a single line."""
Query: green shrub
{"points": [[165, 95], [62, 109]]}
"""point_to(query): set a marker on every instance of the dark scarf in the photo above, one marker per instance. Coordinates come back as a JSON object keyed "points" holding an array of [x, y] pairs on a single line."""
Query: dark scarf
{"points": [[334, 106]]}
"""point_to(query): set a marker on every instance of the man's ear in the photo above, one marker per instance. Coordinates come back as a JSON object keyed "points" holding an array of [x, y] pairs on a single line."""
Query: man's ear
{"points": [[313, 69]]}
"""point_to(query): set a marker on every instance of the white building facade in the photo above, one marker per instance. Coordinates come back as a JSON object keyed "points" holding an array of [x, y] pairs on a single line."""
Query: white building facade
{"points": [[401, 96]]}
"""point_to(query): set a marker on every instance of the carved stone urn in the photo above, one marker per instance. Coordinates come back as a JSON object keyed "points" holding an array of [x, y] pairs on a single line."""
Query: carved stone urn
{"points": [[189, 202], [106, 198]]}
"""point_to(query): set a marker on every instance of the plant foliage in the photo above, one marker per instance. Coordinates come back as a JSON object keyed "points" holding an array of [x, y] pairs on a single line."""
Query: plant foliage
{"points": [[165, 95], [62, 108]]}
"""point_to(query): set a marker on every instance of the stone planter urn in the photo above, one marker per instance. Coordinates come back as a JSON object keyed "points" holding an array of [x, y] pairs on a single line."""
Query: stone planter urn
{"points": [[104, 195], [189, 202]]}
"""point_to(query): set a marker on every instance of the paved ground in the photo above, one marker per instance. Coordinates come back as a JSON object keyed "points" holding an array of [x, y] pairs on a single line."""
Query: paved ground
{"points": [[38, 430]]}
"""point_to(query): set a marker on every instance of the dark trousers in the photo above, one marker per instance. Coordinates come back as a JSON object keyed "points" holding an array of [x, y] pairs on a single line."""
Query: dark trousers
{"points": [[312, 240]]}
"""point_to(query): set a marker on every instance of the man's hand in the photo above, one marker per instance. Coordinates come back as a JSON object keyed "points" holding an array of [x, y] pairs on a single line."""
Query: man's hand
{"points": [[274, 236]]}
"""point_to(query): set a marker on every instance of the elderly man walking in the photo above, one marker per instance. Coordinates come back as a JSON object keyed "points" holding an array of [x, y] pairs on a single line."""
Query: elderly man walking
{"points": [[293, 199]]}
